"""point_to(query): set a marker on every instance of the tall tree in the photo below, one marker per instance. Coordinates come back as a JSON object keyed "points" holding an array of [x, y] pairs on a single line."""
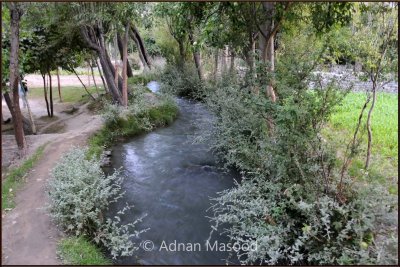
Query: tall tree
{"points": [[16, 13], [143, 55], [59, 84], [125, 66], [121, 52]]}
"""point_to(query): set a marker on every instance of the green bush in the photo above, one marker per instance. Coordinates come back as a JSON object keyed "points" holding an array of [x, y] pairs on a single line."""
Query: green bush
{"points": [[80, 193], [289, 200], [290, 228], [182, 82]]}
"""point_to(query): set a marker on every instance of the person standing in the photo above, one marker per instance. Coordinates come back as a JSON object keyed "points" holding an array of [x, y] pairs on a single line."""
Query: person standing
{"points": [[23, 90]]}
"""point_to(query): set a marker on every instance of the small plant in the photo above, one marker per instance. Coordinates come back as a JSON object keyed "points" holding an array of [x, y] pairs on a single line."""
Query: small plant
{"points": [[111, 113], [80, 193]]}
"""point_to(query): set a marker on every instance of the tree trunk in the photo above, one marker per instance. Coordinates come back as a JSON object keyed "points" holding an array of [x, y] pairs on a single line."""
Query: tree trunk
{"points": [[33, 126], [15, 17], [142, 46], [181, 53], [101, 76], [267, 46], [134, 33], [2, 116], [45, 94], [116, 77], [197, 62], [249, 52], [94, 79], [369, 124], [196, 57], [109, 76], [140, 52], [9, 103], [124, 67], [95, 41], [51, 95], [59, 84], [121, 52]]}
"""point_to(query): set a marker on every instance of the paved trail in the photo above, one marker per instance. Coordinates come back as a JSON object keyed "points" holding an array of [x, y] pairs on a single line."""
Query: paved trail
{"points": [[28, 234]]}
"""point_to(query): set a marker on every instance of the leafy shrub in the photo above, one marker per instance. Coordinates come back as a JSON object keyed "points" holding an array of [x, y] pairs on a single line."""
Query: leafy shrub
{"points": [[80, 193], [289, 200], [182, 82], [111, 113], [290, 229]]}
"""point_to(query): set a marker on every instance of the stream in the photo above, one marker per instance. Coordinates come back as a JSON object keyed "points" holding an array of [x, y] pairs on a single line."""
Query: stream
{"points": [[171, 179]]}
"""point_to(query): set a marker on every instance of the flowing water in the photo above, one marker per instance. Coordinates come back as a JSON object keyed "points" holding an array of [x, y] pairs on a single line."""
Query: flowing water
{"points": [[171, 179]]}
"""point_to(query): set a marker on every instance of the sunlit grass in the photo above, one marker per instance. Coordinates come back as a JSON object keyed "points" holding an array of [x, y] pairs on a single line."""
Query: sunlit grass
{"points": [[384, 120], [384, 124]]}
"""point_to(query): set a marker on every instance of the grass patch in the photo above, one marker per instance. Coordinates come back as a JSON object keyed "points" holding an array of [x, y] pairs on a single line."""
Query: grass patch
{"points": [[384, 135], [14, 179], [161, 115], [79, 251], [69, 94], [383, 121]]}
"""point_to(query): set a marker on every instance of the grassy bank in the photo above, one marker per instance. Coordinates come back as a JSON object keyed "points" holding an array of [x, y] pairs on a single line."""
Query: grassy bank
{"points": [[123, 123], [384, 159], [15, 179], [157, 116], [79, 251]]}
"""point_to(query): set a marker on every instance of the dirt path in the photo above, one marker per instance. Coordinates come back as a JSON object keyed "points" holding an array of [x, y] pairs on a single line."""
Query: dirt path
{"points": [[28, 234]]}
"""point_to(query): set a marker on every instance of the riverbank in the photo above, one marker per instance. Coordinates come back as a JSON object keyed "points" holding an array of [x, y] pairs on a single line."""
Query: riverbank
{"points": [[30, 236], [148, 111]]}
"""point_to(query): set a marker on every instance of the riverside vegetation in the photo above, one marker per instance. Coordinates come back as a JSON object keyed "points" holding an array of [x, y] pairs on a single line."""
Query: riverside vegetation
{"points": [[318, 163], [294, 198], [81, 193]]}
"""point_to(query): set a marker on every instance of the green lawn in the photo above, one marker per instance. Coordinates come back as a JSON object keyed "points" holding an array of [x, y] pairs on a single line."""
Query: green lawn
{"points": [[384, 134], [68, 93]]}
